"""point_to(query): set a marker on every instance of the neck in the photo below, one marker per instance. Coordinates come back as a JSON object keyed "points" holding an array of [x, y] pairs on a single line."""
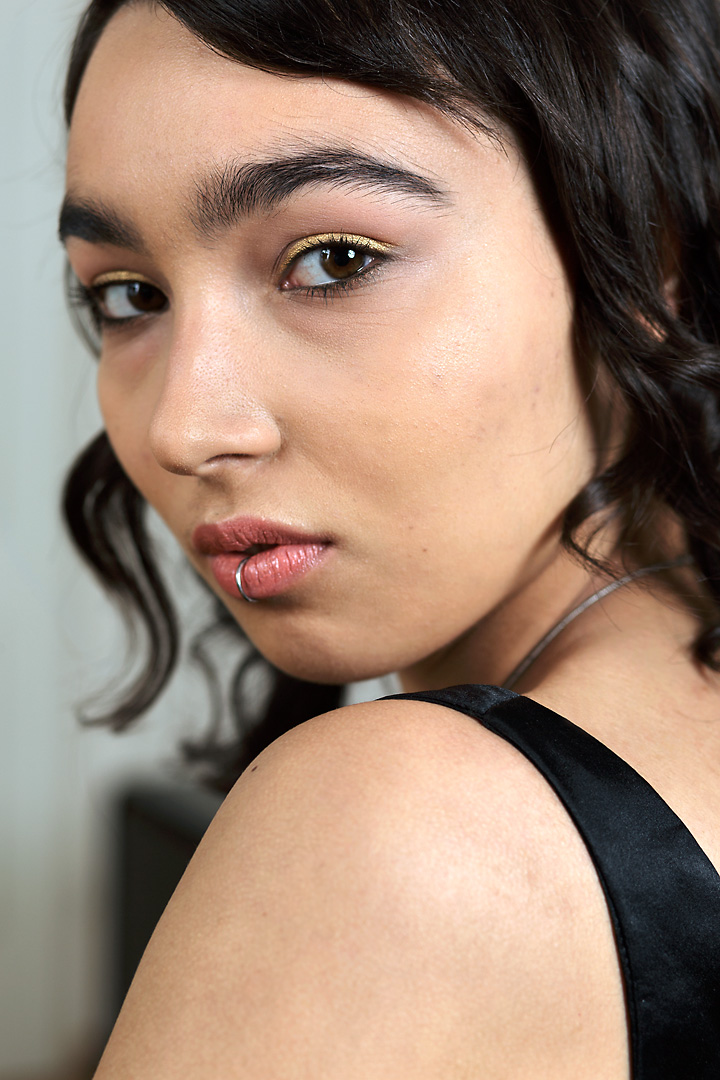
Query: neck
{"points": [[520, 634], [492, 647]]}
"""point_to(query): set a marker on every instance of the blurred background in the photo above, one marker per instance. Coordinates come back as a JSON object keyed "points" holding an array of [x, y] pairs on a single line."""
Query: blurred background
{"points": [[84, 814]]}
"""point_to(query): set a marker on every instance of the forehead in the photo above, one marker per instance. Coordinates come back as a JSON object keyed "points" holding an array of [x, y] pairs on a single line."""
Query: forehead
{"points": [[156, 107]]}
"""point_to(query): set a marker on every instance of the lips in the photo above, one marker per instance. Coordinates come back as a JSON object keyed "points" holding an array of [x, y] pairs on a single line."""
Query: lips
{"points": [[274, 557]]}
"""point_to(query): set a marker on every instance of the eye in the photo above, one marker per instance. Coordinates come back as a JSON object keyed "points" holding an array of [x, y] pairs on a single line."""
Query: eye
{"points": [[326, 265], [120, 299], [329, 261], [110, 302]]}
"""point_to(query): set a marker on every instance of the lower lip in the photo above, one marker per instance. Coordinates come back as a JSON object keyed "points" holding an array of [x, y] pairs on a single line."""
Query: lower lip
{"points": [[269, 573]]}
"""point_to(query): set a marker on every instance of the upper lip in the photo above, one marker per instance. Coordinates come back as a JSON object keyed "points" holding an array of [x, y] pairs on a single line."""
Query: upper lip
{"points": [[240, 535]]}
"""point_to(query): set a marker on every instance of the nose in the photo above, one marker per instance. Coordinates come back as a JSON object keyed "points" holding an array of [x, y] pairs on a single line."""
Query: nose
{"points": [[210, 409]]}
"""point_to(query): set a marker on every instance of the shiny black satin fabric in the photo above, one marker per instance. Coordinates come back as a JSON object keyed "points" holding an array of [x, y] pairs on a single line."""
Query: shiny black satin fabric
{"points": [[662, 891]]}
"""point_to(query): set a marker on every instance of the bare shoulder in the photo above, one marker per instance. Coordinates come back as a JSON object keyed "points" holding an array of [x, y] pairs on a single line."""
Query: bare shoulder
{"points": [[389, 891]]}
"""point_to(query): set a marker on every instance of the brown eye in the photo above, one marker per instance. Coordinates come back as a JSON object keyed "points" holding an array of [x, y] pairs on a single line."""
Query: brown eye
{"points": [[342, 261], [145, 297], [127, 299], [328, 264]]}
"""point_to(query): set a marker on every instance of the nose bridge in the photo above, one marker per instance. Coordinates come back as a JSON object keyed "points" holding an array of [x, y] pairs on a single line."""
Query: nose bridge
{"points": [[211, 404]]}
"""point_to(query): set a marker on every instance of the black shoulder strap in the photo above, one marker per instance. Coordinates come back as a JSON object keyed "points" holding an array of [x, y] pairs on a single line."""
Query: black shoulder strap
{"points": [[662, 891]]}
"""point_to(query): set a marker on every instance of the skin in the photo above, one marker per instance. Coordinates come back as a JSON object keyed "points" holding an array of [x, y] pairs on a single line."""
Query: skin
{"points": [[432, 422]]}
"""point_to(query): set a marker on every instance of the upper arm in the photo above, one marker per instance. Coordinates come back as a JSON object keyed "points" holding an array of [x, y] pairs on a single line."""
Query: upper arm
{"points": [[363, 906]]}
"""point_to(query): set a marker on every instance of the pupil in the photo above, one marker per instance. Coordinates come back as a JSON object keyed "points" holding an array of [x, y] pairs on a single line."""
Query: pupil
{"points": [[344, 256], [342, 262], [145, 297]]}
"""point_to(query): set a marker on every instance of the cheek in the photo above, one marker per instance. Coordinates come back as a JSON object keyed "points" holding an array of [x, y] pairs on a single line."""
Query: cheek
{"points": [[122, 421], [474, 387], [126, 408], [478, 441], [465, 455]]}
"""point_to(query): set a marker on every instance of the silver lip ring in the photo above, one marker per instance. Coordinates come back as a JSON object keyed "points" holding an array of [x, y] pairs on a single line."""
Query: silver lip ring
{"points": [[238, 582]]}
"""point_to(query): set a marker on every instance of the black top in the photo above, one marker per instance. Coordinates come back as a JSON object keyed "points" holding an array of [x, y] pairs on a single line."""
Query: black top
{"points": [[662, 891]]}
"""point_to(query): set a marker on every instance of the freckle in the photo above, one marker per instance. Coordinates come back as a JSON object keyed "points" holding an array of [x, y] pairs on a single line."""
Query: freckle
{"points": [[253, 768]]}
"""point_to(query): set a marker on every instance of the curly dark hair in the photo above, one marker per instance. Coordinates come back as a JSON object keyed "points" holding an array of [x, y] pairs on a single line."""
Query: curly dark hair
{"points": [[617, 108]]}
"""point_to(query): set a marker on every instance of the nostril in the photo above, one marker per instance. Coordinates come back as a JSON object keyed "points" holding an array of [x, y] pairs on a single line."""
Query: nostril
{"points": [[224, 459], [220, 440]]}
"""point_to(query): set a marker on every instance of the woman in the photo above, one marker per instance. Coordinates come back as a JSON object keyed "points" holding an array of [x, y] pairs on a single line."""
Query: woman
{"points": [[409, 320]]}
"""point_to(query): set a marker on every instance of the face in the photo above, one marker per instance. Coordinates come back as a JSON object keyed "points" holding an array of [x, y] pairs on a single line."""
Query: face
{"points": [[337, 347]]}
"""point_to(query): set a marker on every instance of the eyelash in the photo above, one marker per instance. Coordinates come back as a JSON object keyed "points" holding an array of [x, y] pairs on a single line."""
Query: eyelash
{"points": [[87, 298], [333, 289]]}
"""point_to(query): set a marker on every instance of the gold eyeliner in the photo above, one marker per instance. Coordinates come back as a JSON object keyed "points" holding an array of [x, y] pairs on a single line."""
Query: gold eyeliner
{"points": [[116, 277], [309, 243]]}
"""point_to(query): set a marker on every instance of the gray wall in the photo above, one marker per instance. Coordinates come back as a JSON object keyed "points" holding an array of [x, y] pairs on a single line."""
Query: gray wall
{"points": [[56, 635]]}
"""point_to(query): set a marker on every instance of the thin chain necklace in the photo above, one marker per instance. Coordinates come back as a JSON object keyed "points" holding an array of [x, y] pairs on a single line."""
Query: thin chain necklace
{"points": [[558, 628]]}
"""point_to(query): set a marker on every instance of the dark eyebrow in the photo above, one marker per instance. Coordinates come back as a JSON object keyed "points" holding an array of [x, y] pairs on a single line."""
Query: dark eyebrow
{"points": [[239, 189], [91, 220]]}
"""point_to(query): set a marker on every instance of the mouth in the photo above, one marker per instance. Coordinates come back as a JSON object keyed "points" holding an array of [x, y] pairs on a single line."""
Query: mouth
{"points": [[257, 549], [270, 558]]}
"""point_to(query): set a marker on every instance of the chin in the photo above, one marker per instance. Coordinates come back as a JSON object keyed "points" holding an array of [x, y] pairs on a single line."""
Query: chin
{"points": [[317, 662]]}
